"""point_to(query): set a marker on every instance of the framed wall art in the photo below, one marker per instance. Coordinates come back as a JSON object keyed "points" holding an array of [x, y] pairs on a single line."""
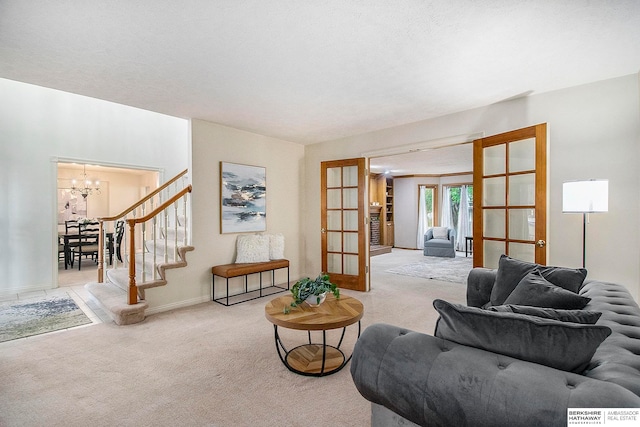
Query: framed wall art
{"points": [[70, 206], [243, 198]]}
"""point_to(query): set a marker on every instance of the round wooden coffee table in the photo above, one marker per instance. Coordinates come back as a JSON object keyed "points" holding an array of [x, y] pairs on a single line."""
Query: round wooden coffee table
{"points": [[314, 359]]}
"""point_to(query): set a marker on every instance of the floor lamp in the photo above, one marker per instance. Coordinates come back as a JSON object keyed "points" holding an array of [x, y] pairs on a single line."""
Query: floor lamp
{"points": [[585, 197]]}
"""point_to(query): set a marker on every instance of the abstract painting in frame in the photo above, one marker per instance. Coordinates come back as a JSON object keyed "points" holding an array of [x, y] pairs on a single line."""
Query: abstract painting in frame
{"points": [[243, 198]]}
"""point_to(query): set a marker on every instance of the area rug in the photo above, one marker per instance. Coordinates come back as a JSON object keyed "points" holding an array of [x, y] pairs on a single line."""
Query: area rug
{"points": [[454, 270], [19, 319]]}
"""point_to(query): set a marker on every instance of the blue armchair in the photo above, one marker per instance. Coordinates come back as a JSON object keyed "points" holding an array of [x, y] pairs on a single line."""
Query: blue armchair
{"points": [[439, 246]]}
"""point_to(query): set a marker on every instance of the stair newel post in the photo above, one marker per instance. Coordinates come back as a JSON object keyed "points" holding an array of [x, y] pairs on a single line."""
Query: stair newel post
{"points": [[133, 291], [101, 243], [144, 252]]}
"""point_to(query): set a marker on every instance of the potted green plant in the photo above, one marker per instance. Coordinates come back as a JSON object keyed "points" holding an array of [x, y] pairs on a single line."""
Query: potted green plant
{"points": [[313, 291]]}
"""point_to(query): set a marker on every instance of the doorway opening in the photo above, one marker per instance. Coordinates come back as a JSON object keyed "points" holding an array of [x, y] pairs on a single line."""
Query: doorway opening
{"points": [[419, 180], [117, 188]]}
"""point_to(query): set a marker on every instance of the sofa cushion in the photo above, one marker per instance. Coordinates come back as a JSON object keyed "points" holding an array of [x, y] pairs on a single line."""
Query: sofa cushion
{"points": [[575, 316], [535, 290], [511, 271], [561, 345]]}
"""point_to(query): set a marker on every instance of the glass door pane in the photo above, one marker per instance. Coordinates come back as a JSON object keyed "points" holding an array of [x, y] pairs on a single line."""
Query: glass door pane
{"points": [[343, 235], [513, 199]]}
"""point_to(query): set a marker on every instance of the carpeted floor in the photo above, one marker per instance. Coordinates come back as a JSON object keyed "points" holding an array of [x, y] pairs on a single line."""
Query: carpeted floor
{"points": [[453, 270], [19, 319], [205, 365]]}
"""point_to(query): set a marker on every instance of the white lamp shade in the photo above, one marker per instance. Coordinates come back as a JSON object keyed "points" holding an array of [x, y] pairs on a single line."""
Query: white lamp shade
{"points": [[585, 196]]}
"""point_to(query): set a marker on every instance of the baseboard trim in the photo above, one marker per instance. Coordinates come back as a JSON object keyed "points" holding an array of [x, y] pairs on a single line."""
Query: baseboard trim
{"points": [[179, 304]]}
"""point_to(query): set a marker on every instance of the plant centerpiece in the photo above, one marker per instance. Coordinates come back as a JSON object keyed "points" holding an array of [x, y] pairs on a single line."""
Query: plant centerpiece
{"points": [[313, 291]]}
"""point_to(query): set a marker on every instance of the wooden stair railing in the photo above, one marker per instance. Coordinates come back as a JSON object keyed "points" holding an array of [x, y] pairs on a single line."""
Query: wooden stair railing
{"points": [[153, 202], [133, 289]]}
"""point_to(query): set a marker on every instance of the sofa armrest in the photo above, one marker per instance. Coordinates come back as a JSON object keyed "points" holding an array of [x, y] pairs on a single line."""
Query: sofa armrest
{"points": [[431, 381], [428, 235], [479, 285]]}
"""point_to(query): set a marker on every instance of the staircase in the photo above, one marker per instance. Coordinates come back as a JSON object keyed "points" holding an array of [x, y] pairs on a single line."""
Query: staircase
{"points": [[151, 244]]}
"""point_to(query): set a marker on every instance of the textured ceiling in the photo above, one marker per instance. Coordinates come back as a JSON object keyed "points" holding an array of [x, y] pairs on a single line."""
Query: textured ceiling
{"points": [[311, 71]]}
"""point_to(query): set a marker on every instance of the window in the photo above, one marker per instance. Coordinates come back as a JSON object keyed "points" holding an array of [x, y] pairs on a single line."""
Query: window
{"points": [[427, 211], [458, 211]]}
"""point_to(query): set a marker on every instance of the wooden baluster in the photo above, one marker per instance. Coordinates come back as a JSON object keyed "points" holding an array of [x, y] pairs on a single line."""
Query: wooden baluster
{"points": [[101, 243], [155, 244], [166, 236], [175, 237]]}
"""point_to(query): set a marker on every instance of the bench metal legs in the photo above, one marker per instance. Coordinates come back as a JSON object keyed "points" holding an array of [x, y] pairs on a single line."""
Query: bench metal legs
{"points": [[225, 300]]}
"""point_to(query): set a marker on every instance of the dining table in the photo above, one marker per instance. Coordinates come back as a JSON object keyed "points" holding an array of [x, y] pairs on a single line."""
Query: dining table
{"points": [[68, 239]]}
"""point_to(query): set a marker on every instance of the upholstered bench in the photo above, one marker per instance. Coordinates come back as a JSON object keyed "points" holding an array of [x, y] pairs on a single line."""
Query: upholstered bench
{"points": [[228, 271]]}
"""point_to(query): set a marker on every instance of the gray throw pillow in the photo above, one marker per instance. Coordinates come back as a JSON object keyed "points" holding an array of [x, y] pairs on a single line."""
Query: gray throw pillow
{"points": [[575, 316], [535, 290], [511, 271], [561, 345]]}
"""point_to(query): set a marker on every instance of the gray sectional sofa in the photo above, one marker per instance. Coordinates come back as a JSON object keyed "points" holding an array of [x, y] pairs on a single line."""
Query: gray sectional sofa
{"points": [[480, 370]]}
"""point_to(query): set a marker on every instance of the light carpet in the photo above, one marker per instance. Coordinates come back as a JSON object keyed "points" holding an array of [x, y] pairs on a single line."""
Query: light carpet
{"points": [[19, 319], [454, 270], [204, 365]]}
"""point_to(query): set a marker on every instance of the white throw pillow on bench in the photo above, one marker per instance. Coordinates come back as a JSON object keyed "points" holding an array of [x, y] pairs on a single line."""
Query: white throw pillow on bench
{"points": [[252, 248], [259, 248], [276, 246]]}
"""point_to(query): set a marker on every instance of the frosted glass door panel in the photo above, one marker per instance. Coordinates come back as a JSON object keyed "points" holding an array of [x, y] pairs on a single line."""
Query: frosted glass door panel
{"points": [[334, 242], [334, 220], [522, 155], [350, 176], [522, 190], [350, 220], [333, 199], [494, 160], [522, 224], [334, 177], [492, 252], [522, 251], [350, 198], [334, 263], [351, 242], [351, 264], [494, 223], [494, 191]]}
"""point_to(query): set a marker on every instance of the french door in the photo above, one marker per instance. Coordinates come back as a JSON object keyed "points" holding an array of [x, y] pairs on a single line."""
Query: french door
{"points": [[343, 217], [510, 186]]}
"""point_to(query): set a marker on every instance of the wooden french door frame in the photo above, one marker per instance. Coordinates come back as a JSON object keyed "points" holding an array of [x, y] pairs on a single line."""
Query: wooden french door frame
{"points": [[482, 207], [344, 222]]}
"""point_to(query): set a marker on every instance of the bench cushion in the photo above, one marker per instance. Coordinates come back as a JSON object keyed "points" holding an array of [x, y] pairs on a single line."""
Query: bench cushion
{"points": [[234, 270]]}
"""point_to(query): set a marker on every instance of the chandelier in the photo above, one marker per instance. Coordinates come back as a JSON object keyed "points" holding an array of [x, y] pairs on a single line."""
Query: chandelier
{"points": [[87, 184]]}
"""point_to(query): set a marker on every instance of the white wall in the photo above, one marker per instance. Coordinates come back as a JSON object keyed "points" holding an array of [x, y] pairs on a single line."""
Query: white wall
{"points": [[405, 199], [594, 132], [38, 125], [211, 144]]}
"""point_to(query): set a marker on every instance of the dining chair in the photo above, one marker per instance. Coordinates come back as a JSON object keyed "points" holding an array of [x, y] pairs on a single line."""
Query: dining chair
{"points": [[119, 234], [88, 242], [71, 239]]}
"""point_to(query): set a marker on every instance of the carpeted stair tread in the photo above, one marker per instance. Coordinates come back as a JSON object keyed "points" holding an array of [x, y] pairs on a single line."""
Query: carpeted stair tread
{"points": [[114, 301]]}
